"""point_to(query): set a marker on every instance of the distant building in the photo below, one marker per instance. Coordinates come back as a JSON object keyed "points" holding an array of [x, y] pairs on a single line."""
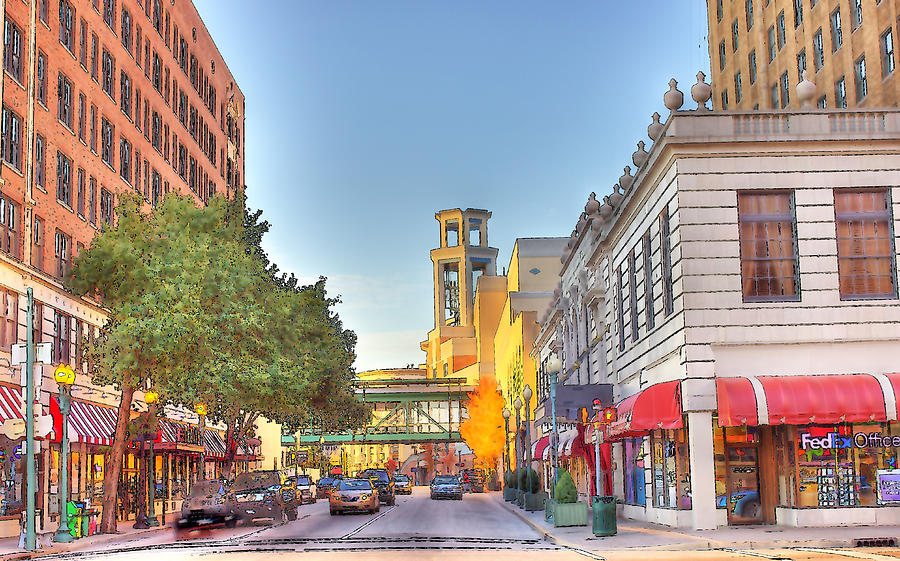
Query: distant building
{"points": [[758, 50]]}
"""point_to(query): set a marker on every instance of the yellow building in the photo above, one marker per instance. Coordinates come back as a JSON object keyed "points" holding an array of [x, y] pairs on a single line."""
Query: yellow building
{"points": [[462, 258]]}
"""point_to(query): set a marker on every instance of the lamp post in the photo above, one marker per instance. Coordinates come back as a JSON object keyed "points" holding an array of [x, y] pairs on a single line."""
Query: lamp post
{"points": [[553, 367], [526, 393], [596, 407], [152, 398], [321, 456], [517, 404], [65, 377], [506, 458], [201, 411]]}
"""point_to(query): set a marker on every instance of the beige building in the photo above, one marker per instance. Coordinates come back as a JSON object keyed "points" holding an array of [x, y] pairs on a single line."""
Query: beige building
{"points": [[759, 48]]}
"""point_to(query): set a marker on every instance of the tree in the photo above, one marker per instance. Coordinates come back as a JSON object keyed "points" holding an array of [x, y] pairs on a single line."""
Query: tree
{"points": [[483, 430], [147, 270]]}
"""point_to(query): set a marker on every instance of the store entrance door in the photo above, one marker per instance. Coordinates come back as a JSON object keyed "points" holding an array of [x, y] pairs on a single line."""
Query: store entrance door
{"points": [[742, 484]]}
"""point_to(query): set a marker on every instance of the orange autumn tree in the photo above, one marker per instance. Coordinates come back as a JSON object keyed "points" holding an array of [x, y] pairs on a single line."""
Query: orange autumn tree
{"points": [[483, 430]]}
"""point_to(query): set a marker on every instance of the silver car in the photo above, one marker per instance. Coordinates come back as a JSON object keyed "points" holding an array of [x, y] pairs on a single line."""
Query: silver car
{"points": [[210, 502]]}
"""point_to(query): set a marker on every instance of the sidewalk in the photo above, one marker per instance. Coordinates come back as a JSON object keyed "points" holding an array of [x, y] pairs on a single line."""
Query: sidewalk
{"points": [[10, 550], [634, 534]]}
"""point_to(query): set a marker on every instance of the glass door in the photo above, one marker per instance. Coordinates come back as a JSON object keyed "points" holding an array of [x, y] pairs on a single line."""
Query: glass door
{"points": [[742, 497]]}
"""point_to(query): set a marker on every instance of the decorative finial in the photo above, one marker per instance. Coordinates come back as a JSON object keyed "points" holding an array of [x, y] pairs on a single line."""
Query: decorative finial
{"points": [[592, 205], [597, 223], [701, 92], [626, 179], [640, 155], [806, 91], [673, 99], [616, 196], [655, 129], [606, 209]]}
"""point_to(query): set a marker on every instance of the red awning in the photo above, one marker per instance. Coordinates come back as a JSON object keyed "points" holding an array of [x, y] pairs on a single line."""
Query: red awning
{"points": [[540, 446], [800, 400], [655, 407], [737, 402], [894, 378]]}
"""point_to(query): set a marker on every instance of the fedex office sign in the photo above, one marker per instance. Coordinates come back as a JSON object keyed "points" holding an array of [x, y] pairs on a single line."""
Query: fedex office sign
{"points": [[834, 440]]}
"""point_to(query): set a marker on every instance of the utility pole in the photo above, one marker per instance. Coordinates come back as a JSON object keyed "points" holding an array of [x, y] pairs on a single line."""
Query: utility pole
{"points": [[30, 475]]}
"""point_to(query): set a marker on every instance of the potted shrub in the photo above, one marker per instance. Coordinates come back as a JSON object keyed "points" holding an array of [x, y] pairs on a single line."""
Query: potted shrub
{"points": [[509, 487], [520, 487], [533, 496], [567, 511]]}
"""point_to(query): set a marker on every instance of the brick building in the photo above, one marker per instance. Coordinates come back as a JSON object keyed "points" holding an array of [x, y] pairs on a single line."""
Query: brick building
{"points": [[99, 97], [758, 50]]}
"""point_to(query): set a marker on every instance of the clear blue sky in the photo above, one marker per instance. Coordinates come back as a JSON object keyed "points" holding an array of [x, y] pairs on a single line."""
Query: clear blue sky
{"points": [[364, 118]]}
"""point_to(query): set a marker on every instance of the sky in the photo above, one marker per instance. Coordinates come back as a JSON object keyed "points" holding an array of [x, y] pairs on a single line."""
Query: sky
{"points": [[365, 118]]}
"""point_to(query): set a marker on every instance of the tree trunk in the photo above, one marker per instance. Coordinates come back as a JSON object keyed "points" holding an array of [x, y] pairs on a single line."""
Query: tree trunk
{"points": [[114, 465], [233, 436]]}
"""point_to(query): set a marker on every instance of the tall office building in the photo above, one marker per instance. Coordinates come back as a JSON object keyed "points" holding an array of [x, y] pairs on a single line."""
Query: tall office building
{"points": [[759, 48], [99, 97]]}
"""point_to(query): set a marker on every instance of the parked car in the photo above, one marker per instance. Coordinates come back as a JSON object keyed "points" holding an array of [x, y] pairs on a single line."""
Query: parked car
{"points": [[324, 486], [402, 484], [259, 495], [353, 495], [473, 480], [304, 486], [383, 483], [210, 502], [446, 486]]}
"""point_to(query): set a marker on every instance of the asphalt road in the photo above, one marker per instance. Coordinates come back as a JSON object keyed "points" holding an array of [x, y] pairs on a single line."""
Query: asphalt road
{"points": [[478, 528]]}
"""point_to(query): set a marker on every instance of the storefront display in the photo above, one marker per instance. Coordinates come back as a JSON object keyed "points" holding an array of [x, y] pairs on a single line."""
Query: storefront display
{"points": [[633, 465], [670, 469]]}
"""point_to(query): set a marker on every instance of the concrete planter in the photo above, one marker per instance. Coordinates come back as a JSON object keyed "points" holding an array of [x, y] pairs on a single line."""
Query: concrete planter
{"points": [[548, 509], [535, 501], [570, 514], [509, 494], [520, 498]]}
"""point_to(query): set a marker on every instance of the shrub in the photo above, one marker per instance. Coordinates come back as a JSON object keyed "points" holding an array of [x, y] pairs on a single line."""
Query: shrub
{"points": [[565, 488], [523, 480], [510, 480]]}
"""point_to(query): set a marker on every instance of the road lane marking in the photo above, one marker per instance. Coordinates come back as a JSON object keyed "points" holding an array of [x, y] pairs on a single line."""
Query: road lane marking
{"points": [[356, 531], [749, 553]]}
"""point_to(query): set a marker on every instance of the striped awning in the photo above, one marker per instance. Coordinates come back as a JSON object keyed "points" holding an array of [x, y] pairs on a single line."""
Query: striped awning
{"points": [[213, 444], [11, 404], [92, 423], [168, 432]]}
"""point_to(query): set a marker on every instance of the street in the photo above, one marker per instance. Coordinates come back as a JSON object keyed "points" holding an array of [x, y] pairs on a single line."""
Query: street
{"points": [[479, 527]]}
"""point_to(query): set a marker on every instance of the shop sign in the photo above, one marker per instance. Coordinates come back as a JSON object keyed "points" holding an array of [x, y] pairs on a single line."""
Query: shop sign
{"points": [[888, 486], [859, 440]]}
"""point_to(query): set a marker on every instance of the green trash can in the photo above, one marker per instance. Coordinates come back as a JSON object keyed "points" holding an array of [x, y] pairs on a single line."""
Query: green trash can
{"points": [[604, 514]]}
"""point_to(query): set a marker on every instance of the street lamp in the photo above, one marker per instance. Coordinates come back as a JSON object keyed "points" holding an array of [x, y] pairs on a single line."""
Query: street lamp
{"points": [[517, 404], [506, 457], [321, 456], [65, 377], [200, 409], [526, 393], [553, 367], [152, 398]]}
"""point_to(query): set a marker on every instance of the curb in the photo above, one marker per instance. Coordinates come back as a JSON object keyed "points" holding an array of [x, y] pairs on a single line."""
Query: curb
{"points": [[545, 534], [76, 545]]}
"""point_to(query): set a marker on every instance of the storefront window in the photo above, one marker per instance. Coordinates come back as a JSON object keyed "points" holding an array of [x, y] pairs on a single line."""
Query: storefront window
{"points": [[634, 471], [671, 470], [12, 476]]}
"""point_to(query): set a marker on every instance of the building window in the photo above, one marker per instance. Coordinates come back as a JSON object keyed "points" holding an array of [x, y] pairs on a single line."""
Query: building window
{"points": [[82, 101], [801, 64], [737, 88], [64, 96], [41, 84], [10, 319], [769, 263], [106, 141], [92, 202], [125, 93], [37, 245], [632, 296], [887, 53], [771, 43], [774, 94], [822, 103], [719, 10], [39, 161], [64, 179], [752, 61], [620, 308], [109, 71], [865, 243], [44, 11], [137, 45], [665, 253], [67, 25], [106, 206], [109, 13], [781, 35], [840, 94], [855, 14], [836, 36], [9, 226], [63, 340], [81, 188], [12, 50], [126, 29], [63, 260], [724, 100], [818, 50], [125, 159], [82, 45], [11, 142], [93, 136], [734, 35], [749, 11], [859, 76], [798, 12], [94, 55], [649, 312], [670, 465], [785, 83]]}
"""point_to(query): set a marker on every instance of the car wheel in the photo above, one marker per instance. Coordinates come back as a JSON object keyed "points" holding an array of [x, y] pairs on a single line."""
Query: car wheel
{"points": [[393, 501], [332, 511], [432, 497], [292, 513], [231, 522]]}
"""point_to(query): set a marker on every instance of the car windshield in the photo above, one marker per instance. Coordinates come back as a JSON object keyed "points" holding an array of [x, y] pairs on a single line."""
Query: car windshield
{"points": [[303, 480], [201, 488], [381, 477], [401, 479], [254, 480], [355, 485], [445, 480], [325, 481]]}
